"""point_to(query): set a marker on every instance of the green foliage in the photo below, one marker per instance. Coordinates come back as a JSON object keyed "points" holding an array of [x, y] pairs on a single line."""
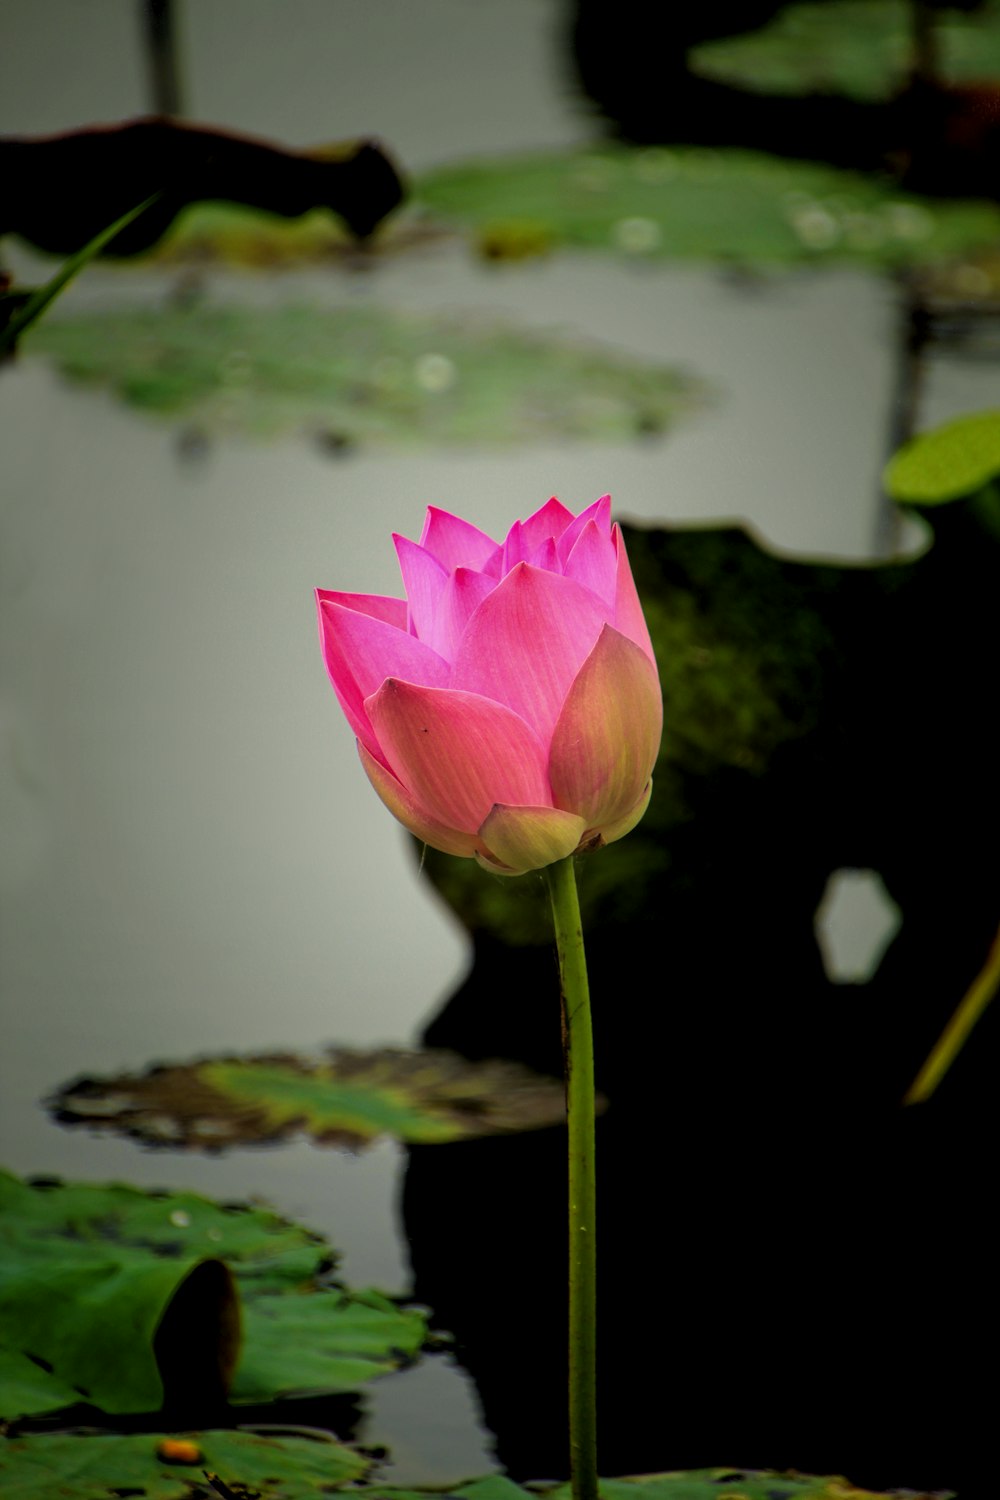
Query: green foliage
{"points": [[860, 48], [91, 1276], [363, 375], [948, 463], [347, 1099], [268, 1465], [655, 203]]}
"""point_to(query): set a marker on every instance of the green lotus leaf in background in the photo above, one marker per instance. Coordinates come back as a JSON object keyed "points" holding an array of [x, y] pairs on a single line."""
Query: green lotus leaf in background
{"points": [[128, 1300], [948, 463], [347, 1098], [275, 1466], [861, 48], [369, 376], [744, 208]]}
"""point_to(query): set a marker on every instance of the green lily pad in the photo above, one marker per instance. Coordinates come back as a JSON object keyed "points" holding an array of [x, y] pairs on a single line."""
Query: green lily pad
{"points": [[954, 460], [859, 48], [116, 1296], [658, 203], [365, 375], [347, 1099], [691, 1484], [273, 1466]]}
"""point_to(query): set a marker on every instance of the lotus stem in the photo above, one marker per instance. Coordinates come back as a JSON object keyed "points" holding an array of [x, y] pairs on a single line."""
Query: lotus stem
{"points": [[578, 1058], [954, 1036]]}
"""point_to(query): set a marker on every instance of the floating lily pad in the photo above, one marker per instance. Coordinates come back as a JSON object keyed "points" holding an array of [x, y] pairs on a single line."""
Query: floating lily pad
{"points": [[347, 1099], [658, 203], [859, 48], [278, 1467], [126, 1299], [956, 459], [364, 375], [269, 1465]]}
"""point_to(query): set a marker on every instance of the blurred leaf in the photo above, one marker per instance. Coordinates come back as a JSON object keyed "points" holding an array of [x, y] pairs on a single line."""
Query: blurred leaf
{"points": [[91, 1275], [859, 48], [355, 375], [741, 207], [277, 1467], [350, 1099], [954, 460]]}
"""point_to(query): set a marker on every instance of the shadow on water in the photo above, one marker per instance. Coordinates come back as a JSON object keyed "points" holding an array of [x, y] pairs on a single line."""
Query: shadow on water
{"points": [[793, 1268]]}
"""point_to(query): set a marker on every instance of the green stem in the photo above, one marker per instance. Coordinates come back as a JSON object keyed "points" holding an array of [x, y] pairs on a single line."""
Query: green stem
{"points": [[953, 1038], [578, 1055]]}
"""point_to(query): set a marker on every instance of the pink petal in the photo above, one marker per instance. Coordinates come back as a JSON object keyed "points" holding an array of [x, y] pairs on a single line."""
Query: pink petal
{"points": [[599, 513], [629, 618], [377, 605], [545, 556], [529, 838], [593, 562], [463, 594], [361, 651], [457, 543], [457, 753], [551, 519], [515, 549], [525, 644], [424, 581], [608, 734], [404, 807]]}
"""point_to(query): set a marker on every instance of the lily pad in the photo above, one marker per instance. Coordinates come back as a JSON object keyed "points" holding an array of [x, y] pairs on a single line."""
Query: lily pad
{"points": [[347, 1099], [269, 1465], [129, 1299], [364, 375], [954, 460], [659, 203], [689, 1484], [859, 48]]}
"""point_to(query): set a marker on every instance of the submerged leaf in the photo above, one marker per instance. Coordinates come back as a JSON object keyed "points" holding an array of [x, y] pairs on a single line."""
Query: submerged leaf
{"points": [[347, 1099]]}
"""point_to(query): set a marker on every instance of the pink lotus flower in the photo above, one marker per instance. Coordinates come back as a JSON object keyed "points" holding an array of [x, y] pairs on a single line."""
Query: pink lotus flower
{"points": [[508, 709]]}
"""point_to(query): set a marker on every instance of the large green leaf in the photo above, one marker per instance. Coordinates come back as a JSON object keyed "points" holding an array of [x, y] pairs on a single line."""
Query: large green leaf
{"points": [[115, 1296], [277, 1467], [686, 201], [349, 1098], [366, 375], [274, 1466], [954, 460]]}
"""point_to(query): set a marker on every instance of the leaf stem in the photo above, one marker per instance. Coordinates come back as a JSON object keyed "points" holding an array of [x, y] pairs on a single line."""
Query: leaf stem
{"points": [[954, 1036], [578, 1058]]}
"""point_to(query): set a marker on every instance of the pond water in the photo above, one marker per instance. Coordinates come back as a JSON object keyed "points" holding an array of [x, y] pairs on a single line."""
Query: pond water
{"points": [[192, 861]]}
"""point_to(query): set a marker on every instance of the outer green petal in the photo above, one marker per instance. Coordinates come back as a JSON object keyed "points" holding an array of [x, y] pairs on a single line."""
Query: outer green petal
{"points": [[608, 733], [612, 831], [529, 838], [404, 807]]}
